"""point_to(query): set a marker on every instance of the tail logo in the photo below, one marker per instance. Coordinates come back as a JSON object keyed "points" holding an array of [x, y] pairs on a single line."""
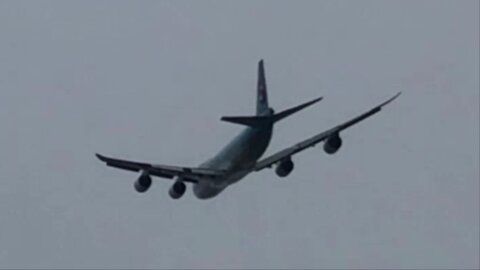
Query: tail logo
{"points": [[261, 92]]}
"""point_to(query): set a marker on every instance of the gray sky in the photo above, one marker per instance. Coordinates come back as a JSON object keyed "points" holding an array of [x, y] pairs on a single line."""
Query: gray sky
{"points": [[149, 80]]}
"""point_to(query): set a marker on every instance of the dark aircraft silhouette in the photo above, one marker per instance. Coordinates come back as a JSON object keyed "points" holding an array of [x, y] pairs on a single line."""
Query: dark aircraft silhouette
{"points": [[241, 156]]}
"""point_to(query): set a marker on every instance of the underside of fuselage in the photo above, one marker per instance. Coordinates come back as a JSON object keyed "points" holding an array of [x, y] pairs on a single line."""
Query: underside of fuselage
{"points": [[202, 191], [209, 190], [237, 159]]}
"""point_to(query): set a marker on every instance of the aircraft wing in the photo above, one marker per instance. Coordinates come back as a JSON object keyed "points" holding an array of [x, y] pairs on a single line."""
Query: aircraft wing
{"points": [[312, 141], [193, 175]]}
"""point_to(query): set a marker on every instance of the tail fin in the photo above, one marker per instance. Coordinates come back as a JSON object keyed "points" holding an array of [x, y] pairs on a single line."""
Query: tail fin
{"points": [[262, 97], [264, 115]]}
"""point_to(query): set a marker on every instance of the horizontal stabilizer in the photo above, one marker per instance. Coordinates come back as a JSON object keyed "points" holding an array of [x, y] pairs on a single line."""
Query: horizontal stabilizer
{"points": [[279, 116], [255, 121], [251, 121]]}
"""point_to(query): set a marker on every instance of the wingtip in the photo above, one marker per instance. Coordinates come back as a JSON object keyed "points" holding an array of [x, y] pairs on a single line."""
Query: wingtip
{"points": [[391, 99], [316, 100], [396, 96], [102, 158]]}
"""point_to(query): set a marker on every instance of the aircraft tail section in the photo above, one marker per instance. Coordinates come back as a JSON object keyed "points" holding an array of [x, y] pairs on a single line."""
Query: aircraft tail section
{"points": [[262, 96], [257, 121], [251, 121], [265, 115], [285, 113]]}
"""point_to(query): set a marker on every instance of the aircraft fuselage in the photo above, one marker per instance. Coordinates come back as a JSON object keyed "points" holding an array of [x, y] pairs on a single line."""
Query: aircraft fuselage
{"points": [[237, 158]]}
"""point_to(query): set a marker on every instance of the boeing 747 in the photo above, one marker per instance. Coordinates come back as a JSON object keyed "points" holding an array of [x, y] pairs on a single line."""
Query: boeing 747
{"points": [[242, 155]]}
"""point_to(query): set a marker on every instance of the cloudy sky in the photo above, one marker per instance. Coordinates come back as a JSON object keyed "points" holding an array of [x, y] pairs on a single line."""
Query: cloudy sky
{"points": [[149, 80]]}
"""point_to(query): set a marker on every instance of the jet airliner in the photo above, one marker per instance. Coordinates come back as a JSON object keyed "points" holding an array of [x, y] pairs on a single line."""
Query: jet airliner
{"points": [[242, 155]]}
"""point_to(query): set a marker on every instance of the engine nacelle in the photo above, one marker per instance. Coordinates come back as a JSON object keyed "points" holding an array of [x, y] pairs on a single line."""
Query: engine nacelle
{"points": [[284, 168], [177, 190], [332, 144], [143, 183]]}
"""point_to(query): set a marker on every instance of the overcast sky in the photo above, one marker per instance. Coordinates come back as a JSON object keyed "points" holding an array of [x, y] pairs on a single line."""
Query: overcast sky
{"points": [[149, 80]]}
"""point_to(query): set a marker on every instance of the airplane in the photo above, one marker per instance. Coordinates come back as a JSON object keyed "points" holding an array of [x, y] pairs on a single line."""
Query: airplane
{"points": [[242, 155]]}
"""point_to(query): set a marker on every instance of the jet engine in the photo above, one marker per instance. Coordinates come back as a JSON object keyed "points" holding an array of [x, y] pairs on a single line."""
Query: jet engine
{"points": [[332, 144], [143, 183], [284, 168], [177, 190]]}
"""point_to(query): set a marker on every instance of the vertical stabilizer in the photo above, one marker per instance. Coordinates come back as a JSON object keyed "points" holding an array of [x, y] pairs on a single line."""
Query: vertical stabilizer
{"points": [[265, 115], [262, 97]]}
